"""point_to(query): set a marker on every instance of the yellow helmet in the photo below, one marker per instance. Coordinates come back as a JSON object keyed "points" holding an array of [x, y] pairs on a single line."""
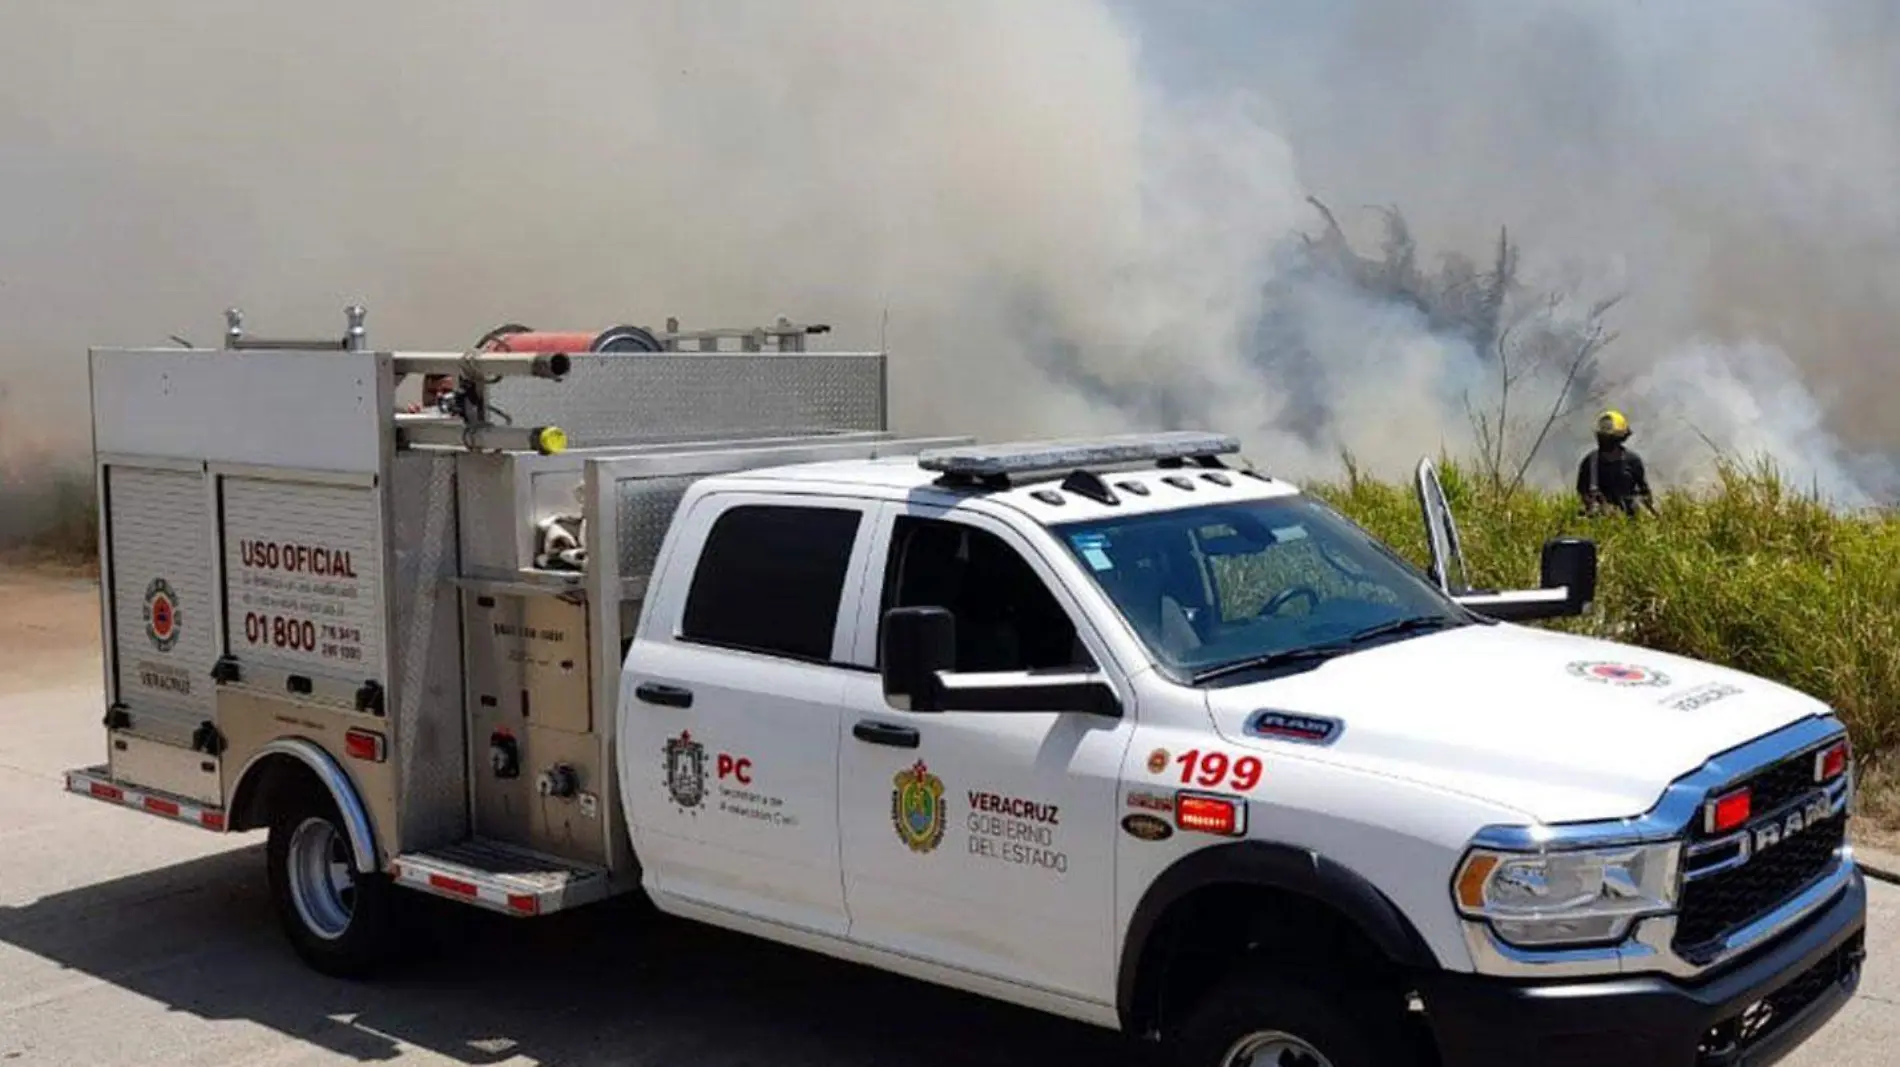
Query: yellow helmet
{"points": [[1612, 424]]}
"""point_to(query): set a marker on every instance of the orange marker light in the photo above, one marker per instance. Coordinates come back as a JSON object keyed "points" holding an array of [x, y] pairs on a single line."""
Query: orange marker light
{"points": [[1207, 814], [1471, 882]]}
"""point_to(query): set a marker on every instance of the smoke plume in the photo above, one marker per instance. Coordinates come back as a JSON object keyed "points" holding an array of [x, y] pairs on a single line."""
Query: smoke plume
{"points": [[1065, 216]]}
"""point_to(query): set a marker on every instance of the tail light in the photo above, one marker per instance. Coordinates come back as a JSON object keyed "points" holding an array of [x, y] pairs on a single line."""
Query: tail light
{"points": [[364, 745]]}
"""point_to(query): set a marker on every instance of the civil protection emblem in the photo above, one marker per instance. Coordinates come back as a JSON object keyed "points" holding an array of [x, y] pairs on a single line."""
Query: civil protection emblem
{"points": [[917, 807], [1620, 674], [161, 615], [686, 770]]}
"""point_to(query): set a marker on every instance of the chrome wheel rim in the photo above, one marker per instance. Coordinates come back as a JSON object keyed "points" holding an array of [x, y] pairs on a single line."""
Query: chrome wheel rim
{"points": [[1273, 1048], [322, 879]]}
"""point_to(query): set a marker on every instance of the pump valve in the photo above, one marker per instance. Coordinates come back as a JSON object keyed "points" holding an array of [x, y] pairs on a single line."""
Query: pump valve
{"points": [[557, 781]]}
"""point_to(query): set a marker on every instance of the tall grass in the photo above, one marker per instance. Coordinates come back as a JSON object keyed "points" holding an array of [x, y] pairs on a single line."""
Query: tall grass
{"points": [[1749, 573]]}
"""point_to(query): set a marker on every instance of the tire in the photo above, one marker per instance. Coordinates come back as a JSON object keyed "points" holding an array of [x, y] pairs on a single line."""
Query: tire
{"points": [[338, 919], [1301, 1022]]}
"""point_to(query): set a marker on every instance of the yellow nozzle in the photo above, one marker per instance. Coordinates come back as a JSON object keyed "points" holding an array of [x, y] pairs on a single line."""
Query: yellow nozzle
{"points": [[550, 440]]}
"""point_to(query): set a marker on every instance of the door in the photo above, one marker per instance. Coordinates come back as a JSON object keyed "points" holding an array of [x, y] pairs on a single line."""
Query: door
{"points": [[730, 704], [1441, 532], [164, 628], [981, 840]]}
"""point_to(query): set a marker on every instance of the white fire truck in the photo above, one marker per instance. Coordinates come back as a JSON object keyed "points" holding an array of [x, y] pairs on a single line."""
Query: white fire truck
{"points": [[1115, 728]]}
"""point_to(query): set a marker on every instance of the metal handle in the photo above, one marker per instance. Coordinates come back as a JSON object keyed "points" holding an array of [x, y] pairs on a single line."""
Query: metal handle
{"points": [[884, 733], [671, 696]]}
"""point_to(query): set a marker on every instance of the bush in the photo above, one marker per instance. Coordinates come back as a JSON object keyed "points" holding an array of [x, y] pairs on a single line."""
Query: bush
{"points": [[1748, 574]]}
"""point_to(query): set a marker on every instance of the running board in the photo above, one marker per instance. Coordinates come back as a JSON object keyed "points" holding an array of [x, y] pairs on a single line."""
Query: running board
{"points": [[97, 783], [503, 878]]}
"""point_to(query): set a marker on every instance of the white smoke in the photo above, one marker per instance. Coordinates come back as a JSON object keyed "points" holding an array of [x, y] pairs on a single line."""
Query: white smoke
{"points": [[1061, 216], [1748, 400]]}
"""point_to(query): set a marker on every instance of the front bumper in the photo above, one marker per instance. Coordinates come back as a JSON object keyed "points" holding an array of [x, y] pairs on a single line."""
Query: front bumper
{"points": [[1749, 1015]]}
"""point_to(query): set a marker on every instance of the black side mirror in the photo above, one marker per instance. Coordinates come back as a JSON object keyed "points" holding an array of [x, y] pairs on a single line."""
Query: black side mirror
{"points": [[1569, 576], [917, 643], [918, 653], [1571, 563]]}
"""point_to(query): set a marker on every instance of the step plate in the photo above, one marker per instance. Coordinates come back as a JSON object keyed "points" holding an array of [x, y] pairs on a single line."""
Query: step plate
{"points": [[97, 783], [502, 878]]}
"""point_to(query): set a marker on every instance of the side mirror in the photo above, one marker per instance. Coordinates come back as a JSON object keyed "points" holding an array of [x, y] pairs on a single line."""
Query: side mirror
{"points": [[918, 654], [1569, 576], [918, 643], [1570, 563]]}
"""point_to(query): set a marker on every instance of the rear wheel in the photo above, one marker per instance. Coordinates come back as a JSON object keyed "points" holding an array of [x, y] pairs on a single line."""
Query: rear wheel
{"points": [[338, 919], [1259, 1019]]}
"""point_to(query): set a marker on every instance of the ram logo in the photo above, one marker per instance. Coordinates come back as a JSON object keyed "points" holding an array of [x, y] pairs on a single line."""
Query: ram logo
{"points": [[1773, 831]]}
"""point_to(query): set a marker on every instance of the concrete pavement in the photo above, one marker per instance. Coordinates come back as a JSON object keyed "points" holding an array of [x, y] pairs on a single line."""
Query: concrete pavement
{"points": [[129, 940]]}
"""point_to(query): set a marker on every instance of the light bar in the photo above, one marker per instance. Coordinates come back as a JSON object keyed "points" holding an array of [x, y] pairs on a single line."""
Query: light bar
{"points": [[1023, 457]]}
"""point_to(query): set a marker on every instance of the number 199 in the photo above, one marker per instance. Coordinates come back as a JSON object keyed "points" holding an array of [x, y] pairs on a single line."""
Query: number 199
{"points": [[1212, 769]]}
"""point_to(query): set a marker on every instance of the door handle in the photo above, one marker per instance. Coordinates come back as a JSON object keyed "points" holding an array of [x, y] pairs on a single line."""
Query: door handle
{"points": [[883, 733], [671, 696]]}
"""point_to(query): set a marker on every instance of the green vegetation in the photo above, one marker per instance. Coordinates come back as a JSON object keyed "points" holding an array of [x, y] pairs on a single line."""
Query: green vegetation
{"points": [[1750, 573]]}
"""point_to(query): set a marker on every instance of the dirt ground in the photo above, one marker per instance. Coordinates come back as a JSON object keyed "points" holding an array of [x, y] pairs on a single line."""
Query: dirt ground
{"points": [[49, 626]]}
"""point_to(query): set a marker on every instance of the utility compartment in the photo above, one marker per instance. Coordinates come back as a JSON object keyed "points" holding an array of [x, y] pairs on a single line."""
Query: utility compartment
{"points": [[540, 775], [242, 564], [303, 581], [162, 627]]}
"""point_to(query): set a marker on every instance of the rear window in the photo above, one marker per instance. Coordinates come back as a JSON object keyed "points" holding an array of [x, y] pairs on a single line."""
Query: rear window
{"points": [[770, 579]]}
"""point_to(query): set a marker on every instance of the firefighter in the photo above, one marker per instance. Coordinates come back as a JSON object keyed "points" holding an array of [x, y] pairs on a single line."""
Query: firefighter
{"points": [[1612, 475]]}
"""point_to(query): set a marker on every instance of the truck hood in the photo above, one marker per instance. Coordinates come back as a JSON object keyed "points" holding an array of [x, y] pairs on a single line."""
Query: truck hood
{"points": [[1560, 727]]}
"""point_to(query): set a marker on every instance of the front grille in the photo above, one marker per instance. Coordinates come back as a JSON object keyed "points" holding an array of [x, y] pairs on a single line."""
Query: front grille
{"points": [[1717, 904], [1781, 784]]}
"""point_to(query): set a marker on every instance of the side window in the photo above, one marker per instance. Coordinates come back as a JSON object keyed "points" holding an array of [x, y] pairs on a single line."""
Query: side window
{"points": [[770, 579], [1007, 619]]}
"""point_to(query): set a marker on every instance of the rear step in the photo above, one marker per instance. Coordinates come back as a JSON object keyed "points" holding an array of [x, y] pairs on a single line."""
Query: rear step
{"points": [[97, 783], [514, 881]]}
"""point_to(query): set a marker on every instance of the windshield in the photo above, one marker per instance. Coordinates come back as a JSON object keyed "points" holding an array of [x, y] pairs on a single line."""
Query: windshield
{"points": [[1225, 584]]}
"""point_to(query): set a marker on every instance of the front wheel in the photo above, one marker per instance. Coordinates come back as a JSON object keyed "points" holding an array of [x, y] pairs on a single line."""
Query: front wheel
{"points": [[1261, 1020], [336, 917]]}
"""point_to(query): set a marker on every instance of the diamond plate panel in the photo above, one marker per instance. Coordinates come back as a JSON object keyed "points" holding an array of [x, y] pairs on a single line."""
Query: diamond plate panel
{"points": [[614, 399], [430, 736], [645, 508], [490, 515]]}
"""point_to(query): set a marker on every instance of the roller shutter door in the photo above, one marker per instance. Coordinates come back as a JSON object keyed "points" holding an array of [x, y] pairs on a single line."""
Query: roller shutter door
{"points": [[303, 578], [162, 597]]}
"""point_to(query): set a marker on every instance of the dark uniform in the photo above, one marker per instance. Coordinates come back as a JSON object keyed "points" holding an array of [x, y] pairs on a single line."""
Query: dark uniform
{"points": [[1612, 475]]}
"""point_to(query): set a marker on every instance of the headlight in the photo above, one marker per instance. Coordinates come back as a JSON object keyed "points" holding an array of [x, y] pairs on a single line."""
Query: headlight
{"points": [[1567, 898]]}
